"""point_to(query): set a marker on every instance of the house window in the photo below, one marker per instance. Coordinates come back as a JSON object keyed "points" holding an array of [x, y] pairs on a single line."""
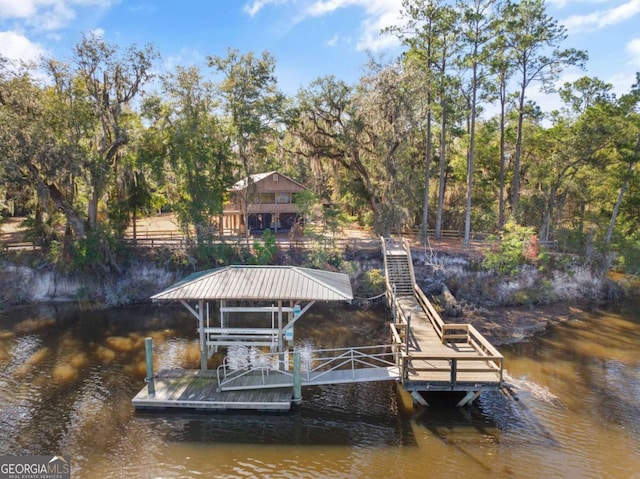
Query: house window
{"points": [[267, 198], [275, 177], [283, 198]]}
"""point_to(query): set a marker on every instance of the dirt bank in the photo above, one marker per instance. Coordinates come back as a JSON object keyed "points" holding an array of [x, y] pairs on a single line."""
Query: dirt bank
{"points": [[506, 325]]}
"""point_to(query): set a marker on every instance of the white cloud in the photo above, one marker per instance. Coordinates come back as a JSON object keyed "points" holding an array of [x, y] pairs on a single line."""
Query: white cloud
{"points": [[253, 7], [603, 18], [52, 17], [16, 46], [633, 48], [98, 32], [333, 41], [385, 15], [378, 15], [622, 82], [47, 15], [16, 8], [186, 56], [564, 3]]}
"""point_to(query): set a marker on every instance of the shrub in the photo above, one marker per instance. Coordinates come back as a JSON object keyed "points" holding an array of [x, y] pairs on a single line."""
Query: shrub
{"points": [[372, 282], [510, 251], [265, 250]]}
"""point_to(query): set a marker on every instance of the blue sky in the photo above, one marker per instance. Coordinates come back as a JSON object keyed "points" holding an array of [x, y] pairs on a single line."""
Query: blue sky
{"points": [[308, 38]]}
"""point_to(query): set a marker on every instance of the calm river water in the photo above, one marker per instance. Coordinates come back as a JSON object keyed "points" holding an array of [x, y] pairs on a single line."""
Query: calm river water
{"points": [[68, 375]]}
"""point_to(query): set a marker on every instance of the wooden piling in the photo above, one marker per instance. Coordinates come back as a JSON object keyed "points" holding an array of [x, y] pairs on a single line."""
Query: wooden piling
{"points": [[297, 380], [148, 349]]}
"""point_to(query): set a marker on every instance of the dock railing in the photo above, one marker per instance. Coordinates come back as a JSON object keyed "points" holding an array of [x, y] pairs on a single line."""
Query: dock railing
{"points": [[449, 333], [317, 367], [325, 361], [247, 336]]}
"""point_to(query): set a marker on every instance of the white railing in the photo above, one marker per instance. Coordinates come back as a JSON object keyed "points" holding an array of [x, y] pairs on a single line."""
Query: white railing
{"points": [[267, 369], [347, 358]]}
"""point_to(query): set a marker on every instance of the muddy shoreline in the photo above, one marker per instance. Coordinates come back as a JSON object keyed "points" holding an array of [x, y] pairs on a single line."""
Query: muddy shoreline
{"points": [[513, 324]]}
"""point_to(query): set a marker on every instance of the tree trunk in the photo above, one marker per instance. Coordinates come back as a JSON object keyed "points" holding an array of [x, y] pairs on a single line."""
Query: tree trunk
{"points": [[443, 168], [470, 158], [516, 161], [503, 100], [427, 178], [75, 221], [545, 230], [135, 225]]}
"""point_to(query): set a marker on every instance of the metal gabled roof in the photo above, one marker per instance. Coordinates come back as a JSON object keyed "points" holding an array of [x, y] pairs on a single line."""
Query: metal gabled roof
{"points": [[258, 177], [260, 283]]}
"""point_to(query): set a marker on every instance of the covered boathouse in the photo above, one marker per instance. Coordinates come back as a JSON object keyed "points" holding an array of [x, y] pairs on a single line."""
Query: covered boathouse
{"points": [[281, 293]]}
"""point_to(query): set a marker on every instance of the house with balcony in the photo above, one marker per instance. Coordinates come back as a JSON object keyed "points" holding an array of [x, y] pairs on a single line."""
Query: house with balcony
{"points": [[267, 199]]}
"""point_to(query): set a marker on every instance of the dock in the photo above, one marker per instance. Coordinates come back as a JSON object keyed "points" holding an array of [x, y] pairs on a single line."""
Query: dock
{"points": [[424, 354], [199, 390], [434, 355]]}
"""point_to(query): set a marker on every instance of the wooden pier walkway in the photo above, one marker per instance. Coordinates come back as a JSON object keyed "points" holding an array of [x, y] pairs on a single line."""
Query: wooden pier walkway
{"points": [[434, 355]]}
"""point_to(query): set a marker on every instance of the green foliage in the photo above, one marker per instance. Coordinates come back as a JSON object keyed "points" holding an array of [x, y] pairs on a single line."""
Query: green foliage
{"points": [[372, 282], [80, 138], [119, 216], [213, 255], [334, 218], [510, 251], [628, 258], [42, 229], [265, 249], [54, 254], [322, 257], [307, 201], [94, 253], [196, 146]]}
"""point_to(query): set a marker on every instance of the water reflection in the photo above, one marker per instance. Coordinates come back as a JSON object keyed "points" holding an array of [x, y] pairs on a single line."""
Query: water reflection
{"points": [[68, 376]]}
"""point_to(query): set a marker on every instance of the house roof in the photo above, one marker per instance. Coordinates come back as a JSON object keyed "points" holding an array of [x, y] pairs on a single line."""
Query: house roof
{"points": [[242, 184], [260, 283]]}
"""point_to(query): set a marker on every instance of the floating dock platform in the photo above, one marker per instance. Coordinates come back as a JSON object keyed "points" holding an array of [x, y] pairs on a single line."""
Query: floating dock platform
{"points": [[195, 389]]}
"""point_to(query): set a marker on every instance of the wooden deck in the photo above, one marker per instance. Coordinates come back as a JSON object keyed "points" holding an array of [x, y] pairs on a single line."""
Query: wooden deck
{"points": [[434, 355], [431, 360], [196, 389]]}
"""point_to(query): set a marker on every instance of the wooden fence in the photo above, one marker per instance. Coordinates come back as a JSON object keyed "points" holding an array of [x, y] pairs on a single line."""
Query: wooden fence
{"points": [[477, 237], [175, 239]]}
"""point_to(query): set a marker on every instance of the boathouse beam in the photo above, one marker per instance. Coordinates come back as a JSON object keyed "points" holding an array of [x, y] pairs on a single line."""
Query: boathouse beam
{"points": [[198, 312], [299, 315], [280, 330], [204, 355], [191, 309]]}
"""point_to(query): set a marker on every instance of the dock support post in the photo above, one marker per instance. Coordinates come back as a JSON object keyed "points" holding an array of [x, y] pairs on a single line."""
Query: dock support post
{"points": [[148, 349], [469, 398], [454, 373], [204, 354], [297, 381], [418, 399]]}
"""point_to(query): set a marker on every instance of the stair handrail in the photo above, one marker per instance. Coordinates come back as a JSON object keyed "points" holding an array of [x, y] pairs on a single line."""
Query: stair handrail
{"points": [[389, 290], [407, 249]]}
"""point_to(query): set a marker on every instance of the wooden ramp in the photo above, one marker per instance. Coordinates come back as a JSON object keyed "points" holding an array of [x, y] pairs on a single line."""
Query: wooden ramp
{"points": [[197, 389], [434, 355]]}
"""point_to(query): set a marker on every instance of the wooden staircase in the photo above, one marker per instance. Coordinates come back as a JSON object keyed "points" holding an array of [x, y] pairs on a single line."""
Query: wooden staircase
{"points": [[398, 271]]}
